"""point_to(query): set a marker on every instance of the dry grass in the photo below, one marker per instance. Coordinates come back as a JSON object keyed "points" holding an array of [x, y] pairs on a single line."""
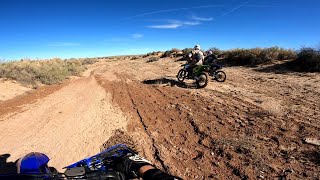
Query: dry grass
{"points": [[87, 61], [31, 72], [153, 59]]}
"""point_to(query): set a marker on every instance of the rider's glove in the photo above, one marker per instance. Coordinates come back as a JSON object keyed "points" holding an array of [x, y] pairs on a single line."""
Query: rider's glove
{"points": [[130, 165]]}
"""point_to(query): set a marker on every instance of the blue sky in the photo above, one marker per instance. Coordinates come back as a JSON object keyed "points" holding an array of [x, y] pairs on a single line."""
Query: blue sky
{"points": [[91, 28]]}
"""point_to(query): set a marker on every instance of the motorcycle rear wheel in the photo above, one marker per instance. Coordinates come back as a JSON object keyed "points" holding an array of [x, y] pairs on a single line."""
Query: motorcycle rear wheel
{"points": [[220, 76]]}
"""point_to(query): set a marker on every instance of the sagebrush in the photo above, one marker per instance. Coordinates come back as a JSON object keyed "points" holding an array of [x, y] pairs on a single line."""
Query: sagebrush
{"points": [[43, 71], [153, 59], [255, 56], [308, 59]]}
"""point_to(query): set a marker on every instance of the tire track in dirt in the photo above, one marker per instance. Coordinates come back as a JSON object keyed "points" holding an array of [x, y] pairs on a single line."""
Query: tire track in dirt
{"points": [[140, 131], [156, 153], [147, 91]]}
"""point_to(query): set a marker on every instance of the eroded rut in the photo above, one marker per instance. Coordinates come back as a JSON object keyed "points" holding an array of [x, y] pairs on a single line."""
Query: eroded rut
{"points": [[198, 137]]}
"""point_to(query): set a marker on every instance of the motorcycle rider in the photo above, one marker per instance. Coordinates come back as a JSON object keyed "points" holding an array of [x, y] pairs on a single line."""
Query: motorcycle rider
{"points": [[196, 58], [211, 59]]}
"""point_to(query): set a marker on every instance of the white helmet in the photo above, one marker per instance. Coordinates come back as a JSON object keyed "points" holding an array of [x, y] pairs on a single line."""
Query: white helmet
{"points": [[210, 52], [197, 47]]}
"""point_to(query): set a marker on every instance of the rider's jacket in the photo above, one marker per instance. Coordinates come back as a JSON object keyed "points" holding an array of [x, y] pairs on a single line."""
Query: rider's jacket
{"points": [[197, 57]]}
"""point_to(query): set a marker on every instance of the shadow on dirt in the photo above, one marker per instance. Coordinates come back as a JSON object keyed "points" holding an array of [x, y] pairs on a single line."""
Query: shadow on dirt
{"points": [[312, 156], [278, 68], [284, 68], [7, 167], [169, 82]]}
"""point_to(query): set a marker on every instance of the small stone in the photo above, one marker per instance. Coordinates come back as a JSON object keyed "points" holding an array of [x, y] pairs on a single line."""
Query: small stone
{"points": [[313, 141], [263, 138]]}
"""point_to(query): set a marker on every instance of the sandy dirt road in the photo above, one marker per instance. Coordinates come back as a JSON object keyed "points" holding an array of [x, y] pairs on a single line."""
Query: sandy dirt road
{"points": [[68, 124], [252, 126]]}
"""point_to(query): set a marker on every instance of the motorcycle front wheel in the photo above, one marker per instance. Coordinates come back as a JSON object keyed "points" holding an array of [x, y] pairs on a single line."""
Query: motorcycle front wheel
{"points": [[181, 75], [202, 80]]}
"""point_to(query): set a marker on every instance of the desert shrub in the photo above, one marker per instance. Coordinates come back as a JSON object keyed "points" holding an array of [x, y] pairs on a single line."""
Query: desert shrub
{"points": [[134, 58], [153, 59], [239, 57], [151, 53], [186, 51], [86, 61], [216, 51], [287, 54], [154, 53], [255, 56], [46, 71], [175, 50], [308, 59], [166, 54]]}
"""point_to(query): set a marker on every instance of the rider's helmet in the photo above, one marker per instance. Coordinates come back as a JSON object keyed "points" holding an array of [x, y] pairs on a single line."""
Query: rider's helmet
{"points": [[33, 163], [210, 52], [197, 47]]}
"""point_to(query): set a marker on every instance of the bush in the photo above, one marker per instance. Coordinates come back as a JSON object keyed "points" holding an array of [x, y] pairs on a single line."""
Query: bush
{"points": [[166, 54], [154, 53], [46, 71], [175, 50], [216, 51], [308, 60], [153, 59], [287, 54], [255, 56], [86, 61], [186, 51]]}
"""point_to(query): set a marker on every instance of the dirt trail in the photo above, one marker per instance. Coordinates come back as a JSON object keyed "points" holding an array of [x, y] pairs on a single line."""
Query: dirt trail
{"points": [[67, 125], [252, 126]]}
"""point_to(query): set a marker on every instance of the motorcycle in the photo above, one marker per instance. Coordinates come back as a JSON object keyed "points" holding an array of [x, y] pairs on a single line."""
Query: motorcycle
{"points": [[99, 166], [214, 70], [199, 75]]}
